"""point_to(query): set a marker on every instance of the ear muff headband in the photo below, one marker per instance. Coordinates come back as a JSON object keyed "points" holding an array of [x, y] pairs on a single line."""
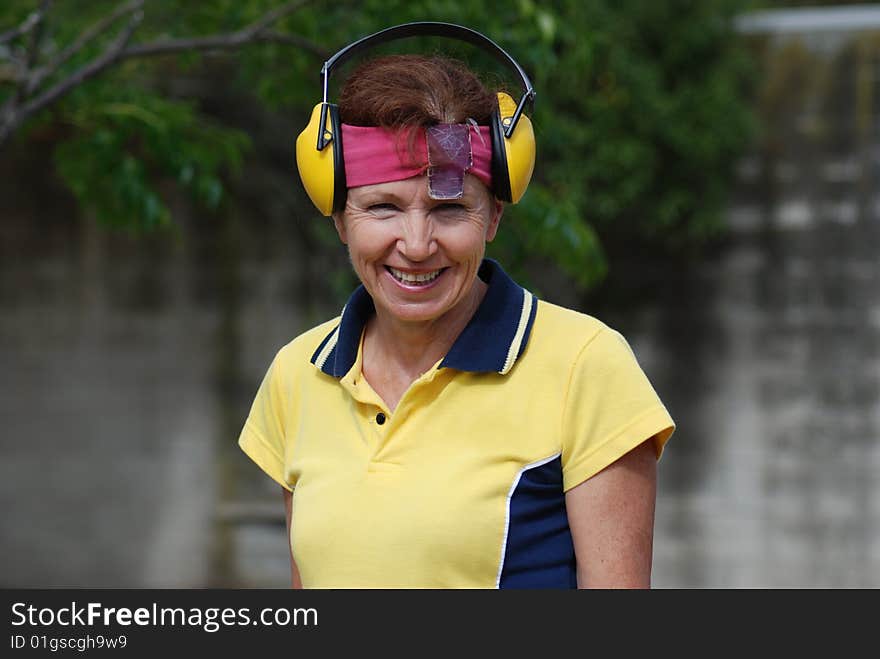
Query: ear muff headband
{"points": [[322, 171]]}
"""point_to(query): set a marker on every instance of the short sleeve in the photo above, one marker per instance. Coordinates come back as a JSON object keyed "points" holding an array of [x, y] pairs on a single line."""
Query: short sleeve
{"points": [[263, 436], [610, 408]]}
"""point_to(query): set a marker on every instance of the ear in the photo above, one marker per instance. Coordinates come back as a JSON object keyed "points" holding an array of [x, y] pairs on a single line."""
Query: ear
{"points": [[339, 223], [495, 220]]}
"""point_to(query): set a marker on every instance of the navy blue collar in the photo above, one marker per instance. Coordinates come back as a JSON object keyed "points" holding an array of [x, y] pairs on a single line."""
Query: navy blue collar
{"points": [[490, 343]]}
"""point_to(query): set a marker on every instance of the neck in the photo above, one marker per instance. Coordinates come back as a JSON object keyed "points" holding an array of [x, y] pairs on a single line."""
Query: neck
{"points": [[411, 348]]}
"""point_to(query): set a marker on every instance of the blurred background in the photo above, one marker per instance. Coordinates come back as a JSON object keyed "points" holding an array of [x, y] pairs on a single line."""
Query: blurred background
{"points": [[706, 183]]}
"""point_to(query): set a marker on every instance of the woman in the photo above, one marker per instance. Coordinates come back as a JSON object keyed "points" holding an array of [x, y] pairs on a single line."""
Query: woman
{"points": [[449, 430]]}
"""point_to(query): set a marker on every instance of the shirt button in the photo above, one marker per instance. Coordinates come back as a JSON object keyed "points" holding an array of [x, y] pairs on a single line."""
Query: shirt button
{"points": [[380, 418]]}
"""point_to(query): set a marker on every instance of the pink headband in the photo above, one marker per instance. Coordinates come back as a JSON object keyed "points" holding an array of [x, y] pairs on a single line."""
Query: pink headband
{"points": [[379, 155]]}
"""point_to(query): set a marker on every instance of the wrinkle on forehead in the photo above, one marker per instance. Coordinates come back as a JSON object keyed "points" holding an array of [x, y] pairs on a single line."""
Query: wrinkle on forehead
{"points": [[415, 191]]}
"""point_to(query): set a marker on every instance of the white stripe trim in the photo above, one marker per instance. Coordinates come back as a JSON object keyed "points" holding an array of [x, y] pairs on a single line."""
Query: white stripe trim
{"points": [[328, 348], [331, 343], [513, 351], [507, 511]]}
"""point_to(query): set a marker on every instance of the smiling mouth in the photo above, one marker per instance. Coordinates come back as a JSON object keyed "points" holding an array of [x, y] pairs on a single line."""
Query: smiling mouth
{"points": [[414, 279]]}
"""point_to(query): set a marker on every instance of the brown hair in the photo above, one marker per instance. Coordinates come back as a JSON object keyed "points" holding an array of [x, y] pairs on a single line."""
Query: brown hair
{"points": [[408, 91]]}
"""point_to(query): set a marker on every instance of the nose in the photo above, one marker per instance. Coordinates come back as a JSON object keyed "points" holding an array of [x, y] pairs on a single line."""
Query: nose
{"points": [[417, 241]]}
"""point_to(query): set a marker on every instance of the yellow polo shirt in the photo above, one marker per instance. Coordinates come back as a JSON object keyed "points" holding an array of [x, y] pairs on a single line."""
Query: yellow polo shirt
{"points": [[463, 486]]}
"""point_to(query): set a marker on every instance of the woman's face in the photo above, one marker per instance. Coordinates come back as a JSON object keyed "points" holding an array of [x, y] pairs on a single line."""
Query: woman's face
{"points": [[418, 257]]}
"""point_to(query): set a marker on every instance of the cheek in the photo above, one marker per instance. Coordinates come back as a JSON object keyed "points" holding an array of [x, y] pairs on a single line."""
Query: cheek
{"points": [[465, 241], [369, 241]]}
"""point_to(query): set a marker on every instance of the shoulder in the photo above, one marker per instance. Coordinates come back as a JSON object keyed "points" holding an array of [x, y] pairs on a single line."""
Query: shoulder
{"points": [[568, 328], [298, 352], [565, 337]]}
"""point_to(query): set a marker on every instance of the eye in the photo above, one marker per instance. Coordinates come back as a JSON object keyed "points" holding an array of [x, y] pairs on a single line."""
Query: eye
{"points": [[449, 207], [382, 208]]}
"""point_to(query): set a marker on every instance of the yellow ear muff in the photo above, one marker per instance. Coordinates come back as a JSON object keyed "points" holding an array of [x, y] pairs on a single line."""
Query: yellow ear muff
{"points": [[320, 169], [513, 157]]}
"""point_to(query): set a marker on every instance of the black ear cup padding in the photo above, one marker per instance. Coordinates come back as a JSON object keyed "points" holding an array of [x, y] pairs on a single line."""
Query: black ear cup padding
{"points": [[340, 189], [500, 176]]}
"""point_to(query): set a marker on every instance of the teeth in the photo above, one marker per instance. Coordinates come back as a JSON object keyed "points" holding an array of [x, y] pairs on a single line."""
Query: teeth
{"points": [[409, 278]]}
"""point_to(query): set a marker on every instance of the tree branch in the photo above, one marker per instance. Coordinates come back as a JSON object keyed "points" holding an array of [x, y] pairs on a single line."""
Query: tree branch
{"points": [[33, 19], [15, 112], [248, 34], [272, 36], [93, 68], [272, 17], [89, 35], [10, 110], [218, 42], [37, 34]]}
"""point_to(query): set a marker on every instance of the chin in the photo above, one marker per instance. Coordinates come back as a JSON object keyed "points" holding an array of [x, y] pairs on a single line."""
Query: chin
{"points": [[415, 315]]}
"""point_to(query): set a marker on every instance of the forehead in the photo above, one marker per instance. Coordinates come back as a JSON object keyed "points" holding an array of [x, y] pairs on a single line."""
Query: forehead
{"points": [[415, 190]]}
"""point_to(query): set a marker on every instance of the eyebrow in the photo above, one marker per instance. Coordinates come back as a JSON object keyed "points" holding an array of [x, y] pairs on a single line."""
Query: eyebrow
{"points": [[376, 197], [379, 197]]}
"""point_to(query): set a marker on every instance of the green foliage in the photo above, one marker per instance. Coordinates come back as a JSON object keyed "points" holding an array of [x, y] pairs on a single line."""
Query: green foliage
{"points": [[127, 143], [642, 109], [656, 116]]}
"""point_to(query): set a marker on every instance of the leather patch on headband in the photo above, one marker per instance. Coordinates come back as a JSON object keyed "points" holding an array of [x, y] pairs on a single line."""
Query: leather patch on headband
{"points": [[449, 157]]}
